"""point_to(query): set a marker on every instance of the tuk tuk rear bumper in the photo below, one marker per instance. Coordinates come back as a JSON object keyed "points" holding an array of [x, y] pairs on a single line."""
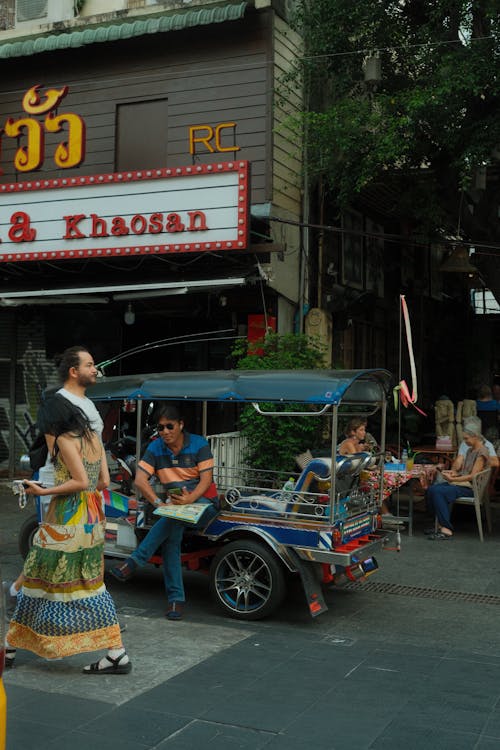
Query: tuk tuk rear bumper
{"points": [[348, 554]]}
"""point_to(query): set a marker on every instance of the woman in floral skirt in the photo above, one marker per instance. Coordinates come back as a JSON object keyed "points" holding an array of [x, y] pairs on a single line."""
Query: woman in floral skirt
{"points": [[63, 607]]}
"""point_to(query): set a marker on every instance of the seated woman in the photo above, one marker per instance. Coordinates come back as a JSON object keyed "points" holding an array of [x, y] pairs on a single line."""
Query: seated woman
{"points": [[355, 440], [440, 497]]}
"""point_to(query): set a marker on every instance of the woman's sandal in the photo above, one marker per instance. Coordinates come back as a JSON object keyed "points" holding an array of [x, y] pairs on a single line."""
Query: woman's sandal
{"points": [[440, 537], [114, 666], [10, 655]]}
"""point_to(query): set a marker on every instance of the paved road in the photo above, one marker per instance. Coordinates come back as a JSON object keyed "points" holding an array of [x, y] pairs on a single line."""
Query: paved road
{"points": [[410, 660]]}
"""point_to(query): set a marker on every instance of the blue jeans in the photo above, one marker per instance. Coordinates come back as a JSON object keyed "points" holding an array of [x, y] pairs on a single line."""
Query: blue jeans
{"points": [[440, 498], [167, 534]]}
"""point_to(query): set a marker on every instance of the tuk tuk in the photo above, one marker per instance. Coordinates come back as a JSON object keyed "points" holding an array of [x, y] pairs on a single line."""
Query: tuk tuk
{"points": [[325, 529]]}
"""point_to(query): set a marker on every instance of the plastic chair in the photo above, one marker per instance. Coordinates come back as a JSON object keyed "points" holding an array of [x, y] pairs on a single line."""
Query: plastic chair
{"points": [[480, 484]]}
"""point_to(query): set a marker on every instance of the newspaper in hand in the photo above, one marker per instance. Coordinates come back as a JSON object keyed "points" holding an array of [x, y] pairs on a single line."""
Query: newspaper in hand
{"points": [[190, 513]]}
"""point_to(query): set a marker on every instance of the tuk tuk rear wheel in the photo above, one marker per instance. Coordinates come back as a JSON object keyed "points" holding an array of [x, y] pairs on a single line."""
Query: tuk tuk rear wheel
{"points": [[247, 580], [26, 534]]}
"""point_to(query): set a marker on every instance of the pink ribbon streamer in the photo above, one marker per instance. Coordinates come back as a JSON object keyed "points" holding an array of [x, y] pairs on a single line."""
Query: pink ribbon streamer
{"points": [[407, 398]]}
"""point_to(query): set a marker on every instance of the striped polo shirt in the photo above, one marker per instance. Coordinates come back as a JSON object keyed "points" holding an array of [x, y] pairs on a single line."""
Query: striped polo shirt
{"points": [[183, 469]]}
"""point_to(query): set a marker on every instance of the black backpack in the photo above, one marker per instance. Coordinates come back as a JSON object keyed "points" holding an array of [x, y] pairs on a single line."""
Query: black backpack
{"points": [[38, 452]]}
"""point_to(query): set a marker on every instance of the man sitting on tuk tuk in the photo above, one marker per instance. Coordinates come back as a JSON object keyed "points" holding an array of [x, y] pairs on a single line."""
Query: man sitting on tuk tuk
{"points": [[184, 464]]}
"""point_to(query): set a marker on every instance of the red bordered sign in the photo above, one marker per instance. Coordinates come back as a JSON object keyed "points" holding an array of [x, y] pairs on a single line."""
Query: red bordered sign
{"points": [[200, 208]]}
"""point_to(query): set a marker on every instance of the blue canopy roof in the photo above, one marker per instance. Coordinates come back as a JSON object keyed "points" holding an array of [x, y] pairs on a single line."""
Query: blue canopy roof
{"points": [[277, 386]]}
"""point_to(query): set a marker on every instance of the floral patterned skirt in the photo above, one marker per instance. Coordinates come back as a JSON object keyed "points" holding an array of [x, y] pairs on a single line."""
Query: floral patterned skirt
{"points": [[64, 608]]}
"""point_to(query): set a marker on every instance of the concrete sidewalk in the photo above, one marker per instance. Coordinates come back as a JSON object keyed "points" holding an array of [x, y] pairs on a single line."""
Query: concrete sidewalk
{"points": [[410, 659]]}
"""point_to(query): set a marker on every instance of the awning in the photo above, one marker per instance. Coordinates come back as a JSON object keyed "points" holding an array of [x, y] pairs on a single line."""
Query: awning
{"points": [[117, 31], [276, 386], [116, 292]]}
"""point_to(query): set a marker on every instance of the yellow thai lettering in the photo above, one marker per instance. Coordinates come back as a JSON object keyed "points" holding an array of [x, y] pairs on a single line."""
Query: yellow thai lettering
{"points": [[29, 157], [33, 103], [69, 153]]}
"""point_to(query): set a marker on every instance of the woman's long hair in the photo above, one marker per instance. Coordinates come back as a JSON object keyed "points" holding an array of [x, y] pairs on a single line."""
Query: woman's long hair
{"points": [[58, 416]]}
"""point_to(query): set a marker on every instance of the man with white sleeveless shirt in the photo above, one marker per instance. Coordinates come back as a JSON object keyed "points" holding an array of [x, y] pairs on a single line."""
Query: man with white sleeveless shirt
{"points": [[77, 371]]}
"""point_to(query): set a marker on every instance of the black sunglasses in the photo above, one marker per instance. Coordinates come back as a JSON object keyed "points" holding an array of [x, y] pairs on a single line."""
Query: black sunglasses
{"points": [[167, 426]]}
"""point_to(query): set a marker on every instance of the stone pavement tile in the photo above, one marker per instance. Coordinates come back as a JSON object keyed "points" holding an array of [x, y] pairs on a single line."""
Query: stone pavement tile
{"points": [[200, 734], [487, 654], [19, 698], [400, 735], [185, 698], [370, 679], [287, 742], [144, 726], [336, 647], [411, 664], [62, 711], [83, 741], [257, 709], [299, 675], [486, 743], [492, 728], [343, 724], [473, 671], [445, 712], [29, 735]]}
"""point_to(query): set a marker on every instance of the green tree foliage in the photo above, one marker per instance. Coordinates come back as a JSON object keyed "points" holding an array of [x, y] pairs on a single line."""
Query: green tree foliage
{"points": [[431, 121], [273, 442]]}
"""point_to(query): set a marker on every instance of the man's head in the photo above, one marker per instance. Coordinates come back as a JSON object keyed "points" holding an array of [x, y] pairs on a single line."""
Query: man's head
{"points": [[77, 367], [484, 393], [170, 424]]}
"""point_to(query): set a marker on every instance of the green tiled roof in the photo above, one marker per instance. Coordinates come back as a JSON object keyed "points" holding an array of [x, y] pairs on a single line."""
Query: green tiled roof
{"points": [[113, 32]]}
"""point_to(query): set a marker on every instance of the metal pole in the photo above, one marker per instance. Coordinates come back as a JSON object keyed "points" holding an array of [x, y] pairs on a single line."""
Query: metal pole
{"points": [[333, 453], [204, 418], [12, 401], [383, 421], [400, 372], [138, 445]]}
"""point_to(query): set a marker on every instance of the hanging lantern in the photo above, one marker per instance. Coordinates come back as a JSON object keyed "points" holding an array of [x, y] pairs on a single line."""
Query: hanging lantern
{"points": [[458, 261]]}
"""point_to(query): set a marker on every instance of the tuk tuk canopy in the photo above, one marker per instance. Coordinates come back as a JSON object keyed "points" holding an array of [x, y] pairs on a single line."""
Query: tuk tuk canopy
{"points": [[320, 387]]}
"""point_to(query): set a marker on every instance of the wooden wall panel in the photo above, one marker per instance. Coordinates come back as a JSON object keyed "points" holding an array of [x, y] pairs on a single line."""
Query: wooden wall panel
{"points": [[286, 148], [208, 77]]}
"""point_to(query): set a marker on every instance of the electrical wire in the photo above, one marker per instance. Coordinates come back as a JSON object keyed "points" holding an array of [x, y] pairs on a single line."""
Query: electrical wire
{"points": [[154, 344], [389, 237]]}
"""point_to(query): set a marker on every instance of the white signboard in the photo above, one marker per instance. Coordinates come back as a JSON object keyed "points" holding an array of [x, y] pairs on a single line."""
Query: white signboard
{"points": [[204, 207]]}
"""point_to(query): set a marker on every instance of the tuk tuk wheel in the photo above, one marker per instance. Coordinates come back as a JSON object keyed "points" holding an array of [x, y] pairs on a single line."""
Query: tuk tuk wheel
{"points": [[26, 534], [247, 581]]}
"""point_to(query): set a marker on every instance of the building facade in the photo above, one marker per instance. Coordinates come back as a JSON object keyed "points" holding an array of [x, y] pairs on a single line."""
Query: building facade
{"points": [[149, 187]]}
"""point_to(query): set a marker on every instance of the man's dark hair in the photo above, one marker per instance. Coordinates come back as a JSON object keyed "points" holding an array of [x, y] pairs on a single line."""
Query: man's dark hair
{"points": [[169, 411], [69, 358]]}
